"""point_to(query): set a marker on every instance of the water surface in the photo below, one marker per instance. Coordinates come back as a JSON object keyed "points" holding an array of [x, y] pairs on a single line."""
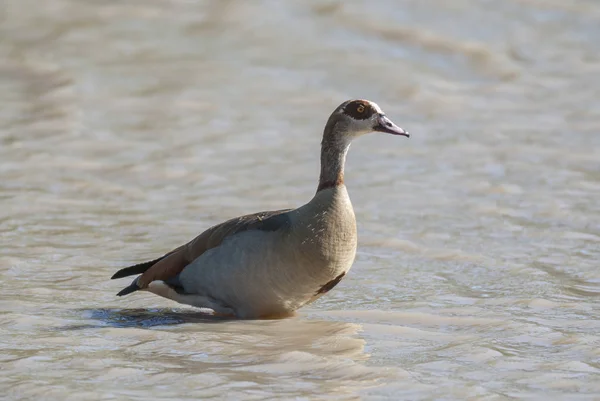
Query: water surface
{"points": [[128, 127]]}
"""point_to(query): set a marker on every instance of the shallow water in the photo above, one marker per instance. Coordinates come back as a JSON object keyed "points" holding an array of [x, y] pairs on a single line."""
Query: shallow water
{"points": [[128, 127]]}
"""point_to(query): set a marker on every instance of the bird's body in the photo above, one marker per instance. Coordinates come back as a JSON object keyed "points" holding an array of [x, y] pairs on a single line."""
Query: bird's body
{"points": [[282, 269], [269, 263]]}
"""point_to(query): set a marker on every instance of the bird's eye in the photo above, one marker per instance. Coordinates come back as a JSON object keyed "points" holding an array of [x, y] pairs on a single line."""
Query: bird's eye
{"points": [[360, 108]]}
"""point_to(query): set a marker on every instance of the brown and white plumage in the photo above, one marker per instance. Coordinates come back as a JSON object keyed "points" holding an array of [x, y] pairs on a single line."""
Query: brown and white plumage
{"points": [[272, 263]]}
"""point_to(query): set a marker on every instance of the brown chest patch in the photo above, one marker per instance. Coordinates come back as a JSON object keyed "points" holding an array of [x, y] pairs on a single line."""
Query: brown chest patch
{"points": [[327, 287]]}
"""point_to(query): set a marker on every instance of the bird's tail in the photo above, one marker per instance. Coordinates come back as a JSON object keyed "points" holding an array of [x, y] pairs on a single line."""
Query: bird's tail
{"points": [[133, 287]]}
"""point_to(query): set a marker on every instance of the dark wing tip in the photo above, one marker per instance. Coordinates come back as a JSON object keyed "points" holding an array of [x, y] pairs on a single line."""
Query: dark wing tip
{"points": [[135, 269], [119, 274]]}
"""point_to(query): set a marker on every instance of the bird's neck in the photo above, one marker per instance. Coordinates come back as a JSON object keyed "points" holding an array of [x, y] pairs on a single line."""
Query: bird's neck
{"points": [[333, 158]]}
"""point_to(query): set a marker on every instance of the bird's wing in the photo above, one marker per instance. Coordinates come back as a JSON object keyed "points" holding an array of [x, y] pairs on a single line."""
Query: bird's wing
{"points": [[174, 262]]}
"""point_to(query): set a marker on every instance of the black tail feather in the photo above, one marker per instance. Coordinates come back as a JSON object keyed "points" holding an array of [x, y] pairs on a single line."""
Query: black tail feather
{"points": [[133, 287], [136, 269]]}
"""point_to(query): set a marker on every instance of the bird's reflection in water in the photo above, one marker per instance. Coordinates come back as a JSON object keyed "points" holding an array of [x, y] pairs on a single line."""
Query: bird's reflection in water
{"points": [[255, 350], [147, 318], [298, 333]]}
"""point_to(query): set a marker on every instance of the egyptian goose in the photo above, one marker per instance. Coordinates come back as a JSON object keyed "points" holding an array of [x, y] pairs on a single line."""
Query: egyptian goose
{"points": [[272, 263]]}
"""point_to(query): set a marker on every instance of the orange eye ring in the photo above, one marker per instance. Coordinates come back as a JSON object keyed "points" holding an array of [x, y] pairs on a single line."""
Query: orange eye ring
{"points": [[360, 108]]}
